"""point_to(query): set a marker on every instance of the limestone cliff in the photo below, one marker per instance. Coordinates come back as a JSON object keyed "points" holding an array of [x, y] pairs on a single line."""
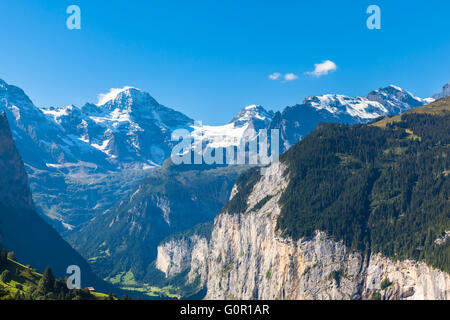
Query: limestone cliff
{"points": [[176, 256], [249, 260]]}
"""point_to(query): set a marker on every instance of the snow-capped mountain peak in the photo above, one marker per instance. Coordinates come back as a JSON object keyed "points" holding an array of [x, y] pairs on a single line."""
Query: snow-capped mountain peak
{"points": [[252, 113], [395, 99], [115, 93], [391, 86], [337, 105]]}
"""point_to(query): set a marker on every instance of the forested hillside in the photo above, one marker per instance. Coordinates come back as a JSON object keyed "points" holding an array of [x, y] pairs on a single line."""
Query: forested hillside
{"points": [[19, 282], [382, 188]]}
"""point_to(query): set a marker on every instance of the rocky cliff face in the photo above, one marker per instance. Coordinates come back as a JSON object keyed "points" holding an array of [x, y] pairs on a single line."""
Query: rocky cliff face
{"points": [[248, 260], [14, 185], [22, 230], [176, 256]]}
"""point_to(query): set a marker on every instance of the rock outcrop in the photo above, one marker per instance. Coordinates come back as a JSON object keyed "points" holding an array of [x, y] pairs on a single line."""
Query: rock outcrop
{"points": [[444, 93], [13, 182], [177, 256]]}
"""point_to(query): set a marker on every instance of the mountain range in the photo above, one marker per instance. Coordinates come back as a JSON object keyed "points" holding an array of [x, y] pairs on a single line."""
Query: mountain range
{"points": [[100, 151], [97, 174]]}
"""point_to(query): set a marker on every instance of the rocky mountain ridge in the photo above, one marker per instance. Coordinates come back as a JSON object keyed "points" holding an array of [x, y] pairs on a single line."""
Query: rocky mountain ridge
{"points": [[75, 155]]}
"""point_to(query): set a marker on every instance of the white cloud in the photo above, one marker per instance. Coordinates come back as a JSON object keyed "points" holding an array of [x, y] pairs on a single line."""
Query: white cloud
{"points": [[286, 77], [290, 77], [111, 95], [275, 76], [322, 69]]}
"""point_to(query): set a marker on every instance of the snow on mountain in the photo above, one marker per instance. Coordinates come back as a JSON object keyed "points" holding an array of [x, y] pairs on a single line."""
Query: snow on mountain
{"points": [[395, 99], [337, 105], [297, 121], [76, 156], [81, 160], [382, 102], [128, 125], [246, 124], [39, 139], [252, 113], [104, 98]]}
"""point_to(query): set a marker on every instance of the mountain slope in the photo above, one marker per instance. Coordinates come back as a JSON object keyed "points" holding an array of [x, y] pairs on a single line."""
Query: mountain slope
{"points": [[355, 212], [22, 230], [170, 200], [25, 283]]}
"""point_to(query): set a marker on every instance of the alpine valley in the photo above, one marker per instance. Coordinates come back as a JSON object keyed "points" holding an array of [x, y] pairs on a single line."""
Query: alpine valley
{"points": [[344, 217]]}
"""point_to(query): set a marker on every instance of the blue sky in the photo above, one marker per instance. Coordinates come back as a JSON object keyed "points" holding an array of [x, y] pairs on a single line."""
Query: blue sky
{"points": [[208, 59]]}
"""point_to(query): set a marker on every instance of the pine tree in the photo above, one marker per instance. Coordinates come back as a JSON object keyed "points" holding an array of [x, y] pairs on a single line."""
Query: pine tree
{"points": [[47, 282], [5, 277], [3, 257], [11, 256], [18, 295]]}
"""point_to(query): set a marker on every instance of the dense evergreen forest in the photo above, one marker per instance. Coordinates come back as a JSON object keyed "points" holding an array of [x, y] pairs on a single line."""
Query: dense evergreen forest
{"points": [[382, 187]]}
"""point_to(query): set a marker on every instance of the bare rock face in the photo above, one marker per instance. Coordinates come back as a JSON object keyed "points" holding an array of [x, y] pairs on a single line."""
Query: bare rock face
{"points": [[408, 279], [248, 260], [444, 93], [178, 255], [14, 181]]}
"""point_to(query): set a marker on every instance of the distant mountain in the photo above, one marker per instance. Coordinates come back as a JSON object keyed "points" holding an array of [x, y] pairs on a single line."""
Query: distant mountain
{"points": [[444, 93], [255, 116], [245, 125], [80, 160], [22, 230], [42, 143], [296, 122], [128, 126]]}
